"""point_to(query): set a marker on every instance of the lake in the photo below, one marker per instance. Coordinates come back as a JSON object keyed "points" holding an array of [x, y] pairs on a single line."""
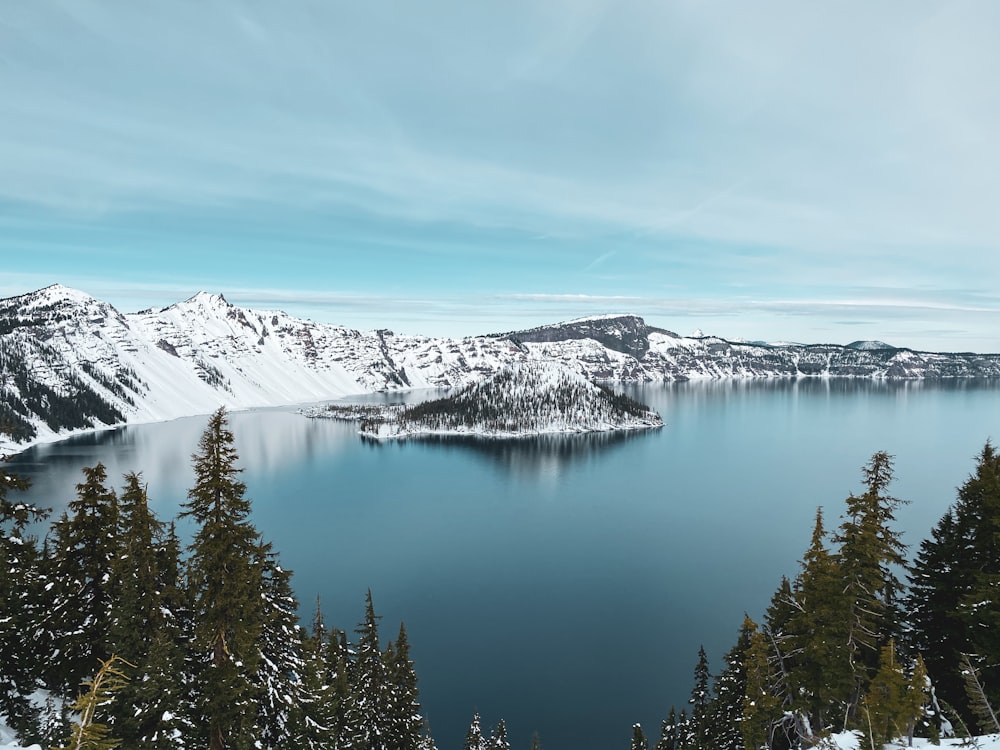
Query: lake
{"points": [[565, 584]]}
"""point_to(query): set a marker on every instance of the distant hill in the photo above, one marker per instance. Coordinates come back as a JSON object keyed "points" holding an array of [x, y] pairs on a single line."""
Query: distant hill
{"points": [[869, 345], [69, 362]]}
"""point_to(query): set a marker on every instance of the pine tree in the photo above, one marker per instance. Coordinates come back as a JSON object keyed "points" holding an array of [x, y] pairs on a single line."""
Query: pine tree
{"points": [[407, 723], [919, 703], [820, 677], [136, 568], [282, 663], [638, 738], [700, 721], [474, 739], [368, 715], [20, 600], [953, 604], [498, 737], [426, 740], [979, 700], [312, 720], [226, 581], [870, 551], [885, 709], [84, 588], [779, 646], [145, 627], [338, 677], [669, 732], [685, 734], [730, 689], [88, 733], [761, 703]]}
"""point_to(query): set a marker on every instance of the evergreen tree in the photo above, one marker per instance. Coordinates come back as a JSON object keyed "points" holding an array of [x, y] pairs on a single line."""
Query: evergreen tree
{"points": [[919, 703], [820, 678], [407, 723], [20, 610], [139, 610], [88, 733], [953, 604], [474, 739], [498, 738], [761, 703], [369, 708], [145, 628], [282, 663], [226, 581], [426, 740], [730, 692], [870, 552], [684, 733], [779, 613], [700, 721], [312, 721], [339, 677], [778, 644], [638, 739], [979, 701], [83, 583], [885, 708], [669, 732]]}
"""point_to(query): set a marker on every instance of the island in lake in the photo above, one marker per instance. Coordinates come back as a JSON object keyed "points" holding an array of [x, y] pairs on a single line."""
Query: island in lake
{"points": [[522, 399]]}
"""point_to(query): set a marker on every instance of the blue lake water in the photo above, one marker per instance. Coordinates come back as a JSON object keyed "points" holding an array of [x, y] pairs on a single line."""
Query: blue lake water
{"points": [[565, 584]]}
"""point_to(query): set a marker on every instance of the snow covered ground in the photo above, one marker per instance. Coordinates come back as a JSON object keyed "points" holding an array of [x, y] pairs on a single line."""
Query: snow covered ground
{"points": [[853, 741]]}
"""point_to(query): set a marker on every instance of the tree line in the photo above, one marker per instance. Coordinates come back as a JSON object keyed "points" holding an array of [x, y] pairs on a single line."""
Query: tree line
{"points": [[846, 645], [136, 641]]}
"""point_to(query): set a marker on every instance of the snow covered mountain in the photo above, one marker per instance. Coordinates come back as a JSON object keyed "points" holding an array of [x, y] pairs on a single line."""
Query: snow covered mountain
{"points": [[69, 362]]}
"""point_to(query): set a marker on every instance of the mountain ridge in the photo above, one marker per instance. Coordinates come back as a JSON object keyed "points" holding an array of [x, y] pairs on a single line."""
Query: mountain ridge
{"points": [[70, 362]]}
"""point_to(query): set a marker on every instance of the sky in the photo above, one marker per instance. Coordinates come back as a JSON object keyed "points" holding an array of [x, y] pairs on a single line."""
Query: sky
{"points": [[780, 171]]}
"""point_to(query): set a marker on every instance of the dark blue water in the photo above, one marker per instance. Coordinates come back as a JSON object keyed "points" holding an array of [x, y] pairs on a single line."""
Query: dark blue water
{"points": [[565, 585]]}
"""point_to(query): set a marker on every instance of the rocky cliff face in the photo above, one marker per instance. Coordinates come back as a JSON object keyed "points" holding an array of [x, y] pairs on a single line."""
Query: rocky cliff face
{"points": [[69, 362]]}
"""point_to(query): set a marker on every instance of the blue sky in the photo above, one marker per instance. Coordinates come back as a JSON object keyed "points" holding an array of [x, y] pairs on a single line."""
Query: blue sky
{"points": [[767, 170]]}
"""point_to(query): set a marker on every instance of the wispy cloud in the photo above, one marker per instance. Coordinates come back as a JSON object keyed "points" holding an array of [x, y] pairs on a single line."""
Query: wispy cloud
{"points": [[719, 153]]}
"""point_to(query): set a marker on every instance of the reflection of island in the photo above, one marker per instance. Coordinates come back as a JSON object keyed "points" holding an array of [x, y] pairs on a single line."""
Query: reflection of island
{"points": [[539, 455], [524, 399]]}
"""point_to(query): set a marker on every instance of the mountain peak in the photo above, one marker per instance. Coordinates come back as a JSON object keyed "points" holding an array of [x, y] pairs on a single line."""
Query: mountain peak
{"points": [[211, 299], [60, 293]]}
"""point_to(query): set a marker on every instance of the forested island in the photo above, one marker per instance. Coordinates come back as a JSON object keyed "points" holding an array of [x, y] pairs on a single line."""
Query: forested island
{"points": [[527, 398], [111, 633]]}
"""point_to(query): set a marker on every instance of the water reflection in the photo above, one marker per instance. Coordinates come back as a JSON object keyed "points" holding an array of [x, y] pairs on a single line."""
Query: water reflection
{"points": [[535, 457]]}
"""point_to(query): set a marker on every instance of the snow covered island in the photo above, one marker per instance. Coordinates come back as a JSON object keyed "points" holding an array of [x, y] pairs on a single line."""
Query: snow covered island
{"points": [[521, 399]]}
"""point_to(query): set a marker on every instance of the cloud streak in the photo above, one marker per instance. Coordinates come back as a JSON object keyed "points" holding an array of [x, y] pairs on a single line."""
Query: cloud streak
{"points": [[715, 152]]}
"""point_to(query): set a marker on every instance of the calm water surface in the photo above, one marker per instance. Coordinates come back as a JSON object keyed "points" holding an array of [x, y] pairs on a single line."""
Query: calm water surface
{"points": [[565, 584]]}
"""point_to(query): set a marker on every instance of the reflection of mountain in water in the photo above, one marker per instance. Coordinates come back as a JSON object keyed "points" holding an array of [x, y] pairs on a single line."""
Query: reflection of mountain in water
{"points": [[267, 441], [660, 395], [536, 456]]}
